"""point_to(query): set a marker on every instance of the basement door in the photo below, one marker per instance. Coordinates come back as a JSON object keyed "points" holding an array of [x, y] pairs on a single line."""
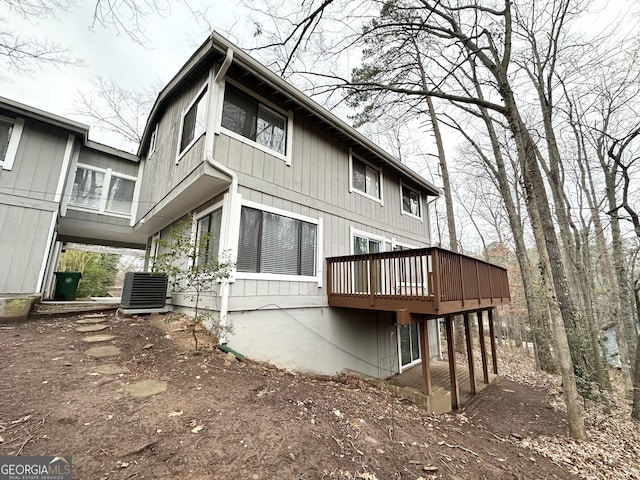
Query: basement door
{"points": [[408, 345]]}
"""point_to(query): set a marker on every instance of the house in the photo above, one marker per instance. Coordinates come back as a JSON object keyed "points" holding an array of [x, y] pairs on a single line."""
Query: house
{"points": [[323, 224], [57, 186], [330, 235]]}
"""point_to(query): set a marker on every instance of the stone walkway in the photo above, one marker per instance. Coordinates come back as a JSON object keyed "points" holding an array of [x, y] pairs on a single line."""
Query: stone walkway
{"points": [[92, 323]]}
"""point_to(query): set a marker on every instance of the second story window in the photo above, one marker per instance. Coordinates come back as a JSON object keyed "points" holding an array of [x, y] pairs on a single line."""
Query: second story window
{"points": [[102, 190], [246, 116], [365, 179], [411, 202], [10, 132], [194, 121]]}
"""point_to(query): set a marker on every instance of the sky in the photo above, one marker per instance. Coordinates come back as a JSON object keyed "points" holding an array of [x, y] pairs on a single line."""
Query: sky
{"points": [[171, 37]]}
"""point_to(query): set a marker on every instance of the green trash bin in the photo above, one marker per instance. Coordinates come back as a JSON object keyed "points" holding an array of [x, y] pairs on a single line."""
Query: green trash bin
{"points": [[67, 285]]}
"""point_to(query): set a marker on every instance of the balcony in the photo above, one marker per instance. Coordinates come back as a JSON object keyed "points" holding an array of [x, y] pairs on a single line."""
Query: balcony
{"points": [[431, 282], [421, 285]]}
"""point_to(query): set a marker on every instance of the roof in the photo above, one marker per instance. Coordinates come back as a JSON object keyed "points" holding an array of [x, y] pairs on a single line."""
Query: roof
{"points": [[216, 46], [49, 118], [46, 117]]}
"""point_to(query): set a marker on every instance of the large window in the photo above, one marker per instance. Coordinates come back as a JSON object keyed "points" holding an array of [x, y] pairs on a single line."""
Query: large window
{"points": [[251, 119], [411, 202], [365, 179], [209, 233], [102, 190], [276, 244], [194, 121], [10, 132]]}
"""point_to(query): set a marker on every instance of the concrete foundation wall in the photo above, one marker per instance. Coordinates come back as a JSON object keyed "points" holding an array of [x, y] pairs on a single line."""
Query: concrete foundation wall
{"points": [[318, 340]]}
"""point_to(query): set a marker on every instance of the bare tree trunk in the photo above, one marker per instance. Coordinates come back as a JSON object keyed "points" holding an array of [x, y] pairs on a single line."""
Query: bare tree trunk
{"points": [[460, 345], [562, 311]]}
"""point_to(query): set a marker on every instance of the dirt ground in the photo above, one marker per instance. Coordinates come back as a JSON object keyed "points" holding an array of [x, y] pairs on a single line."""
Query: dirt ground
{"points": [[219, 419]]}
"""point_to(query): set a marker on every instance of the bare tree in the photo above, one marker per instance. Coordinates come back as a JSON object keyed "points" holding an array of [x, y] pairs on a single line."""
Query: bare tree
{"points": [[452, 33], [114, 109], [22, 52]]}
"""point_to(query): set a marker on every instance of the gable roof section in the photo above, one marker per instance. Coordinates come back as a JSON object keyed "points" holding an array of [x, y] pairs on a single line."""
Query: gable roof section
{"points": [[27, 111], [215, 48], [46, 117]]}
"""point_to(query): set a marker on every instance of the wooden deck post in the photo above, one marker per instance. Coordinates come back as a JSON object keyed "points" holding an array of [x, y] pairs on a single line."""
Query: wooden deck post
{"points": [[483, 347], [494, 356], [426, 356], [455, 393], [472, 373]]}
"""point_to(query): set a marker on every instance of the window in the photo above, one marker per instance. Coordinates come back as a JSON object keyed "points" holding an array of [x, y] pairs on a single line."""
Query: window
{"points": [[276, 244], [102, 190], [409, 340], [209, 225], [363, 245], [247, 117], [153, 141], [194, 121], [365, 179], [10, 133], [411, 202], [120, 195], [87, 188]]}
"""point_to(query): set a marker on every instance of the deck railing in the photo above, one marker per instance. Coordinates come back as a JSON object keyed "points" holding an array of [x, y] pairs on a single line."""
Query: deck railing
{"points": [[432, 276]]}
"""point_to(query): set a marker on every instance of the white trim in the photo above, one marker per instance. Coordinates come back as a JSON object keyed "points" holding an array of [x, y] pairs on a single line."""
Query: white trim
{"points": [[317, 278], [69, 188], [420, 205], [320, 252], [208, 210], [201, 94], [395, 244], [14, 141], [279, 211], [288, 114], [45, 258], [352, 189], [136, 193], [66, 159]]}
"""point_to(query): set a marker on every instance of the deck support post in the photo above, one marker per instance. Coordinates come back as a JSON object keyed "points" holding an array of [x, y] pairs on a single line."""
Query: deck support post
{"points": [[424, 351], [494, 356], [455, 393], [483, 347], [472, 373]]}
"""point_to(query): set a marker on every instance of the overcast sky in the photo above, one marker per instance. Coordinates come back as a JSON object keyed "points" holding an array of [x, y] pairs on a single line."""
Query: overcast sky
{"points": [[172, 36]]}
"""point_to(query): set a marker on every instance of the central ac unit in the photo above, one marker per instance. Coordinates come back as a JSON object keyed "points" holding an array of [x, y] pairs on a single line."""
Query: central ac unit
{"points": [[144, 291]]}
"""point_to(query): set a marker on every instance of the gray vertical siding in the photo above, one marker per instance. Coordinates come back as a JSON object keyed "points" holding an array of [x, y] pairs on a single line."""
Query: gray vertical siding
{"points": [[104, 160], [23, 244], [38, 162], [161, 174]]}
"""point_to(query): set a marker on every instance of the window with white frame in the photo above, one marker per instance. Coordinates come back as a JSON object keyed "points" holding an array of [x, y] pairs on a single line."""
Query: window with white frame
{"points": [[363, 244], [103, 190], [208, 234], [365, 179], [411, 202], [272, 243], [251, 119], [153, 142], [194, 121], [10, 133]]}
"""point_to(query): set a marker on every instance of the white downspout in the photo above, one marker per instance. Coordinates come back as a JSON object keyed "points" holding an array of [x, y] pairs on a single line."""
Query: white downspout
{"points": [[214, 83]]}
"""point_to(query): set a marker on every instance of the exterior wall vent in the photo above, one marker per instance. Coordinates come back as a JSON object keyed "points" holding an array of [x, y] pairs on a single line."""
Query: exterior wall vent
{"points": [[144, 291]]}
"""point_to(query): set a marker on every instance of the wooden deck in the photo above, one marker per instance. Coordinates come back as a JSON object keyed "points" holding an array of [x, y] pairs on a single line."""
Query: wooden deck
{"points": [[429, 281], [413, 378]]}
